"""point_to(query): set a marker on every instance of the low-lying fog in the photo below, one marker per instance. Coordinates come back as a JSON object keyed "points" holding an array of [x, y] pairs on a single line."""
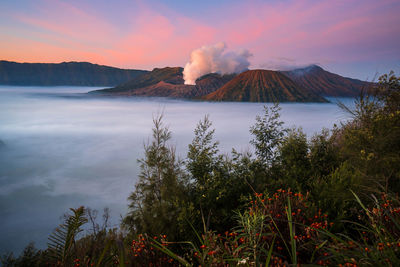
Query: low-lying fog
{"points": [[65, 149]]}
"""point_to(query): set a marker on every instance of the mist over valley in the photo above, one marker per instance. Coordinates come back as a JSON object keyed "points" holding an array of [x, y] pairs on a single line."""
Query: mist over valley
{"points": [[63, 148]]}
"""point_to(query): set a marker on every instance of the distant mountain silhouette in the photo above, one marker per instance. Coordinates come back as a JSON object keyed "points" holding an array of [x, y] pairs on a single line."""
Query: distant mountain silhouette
{"points": [[167, 82], [263, 86], [66, 73], [325, 83]]}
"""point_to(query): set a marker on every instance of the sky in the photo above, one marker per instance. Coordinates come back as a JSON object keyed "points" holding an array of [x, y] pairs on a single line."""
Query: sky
{"points": [[354, 38]]}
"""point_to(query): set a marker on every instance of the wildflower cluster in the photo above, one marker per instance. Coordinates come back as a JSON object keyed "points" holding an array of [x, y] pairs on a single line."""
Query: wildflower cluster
{"points": [[144, 253], [386, 213], [264, 227], [305, 220], [379, 237], [215, 249]]}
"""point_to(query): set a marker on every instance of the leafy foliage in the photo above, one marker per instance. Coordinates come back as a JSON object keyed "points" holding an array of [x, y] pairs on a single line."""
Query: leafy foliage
{"points": [[159, 197], [62, 241], [268, 134], [373, 136], [295, 163]]}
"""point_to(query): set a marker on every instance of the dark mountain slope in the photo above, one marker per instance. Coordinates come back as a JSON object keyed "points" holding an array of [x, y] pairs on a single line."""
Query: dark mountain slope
{"points": [[210, 83], [325, 83], [169, 75], [66, 73]]}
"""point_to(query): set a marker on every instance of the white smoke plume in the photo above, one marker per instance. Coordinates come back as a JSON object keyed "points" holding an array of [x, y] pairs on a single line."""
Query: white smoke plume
{"points": [[210, 59]]}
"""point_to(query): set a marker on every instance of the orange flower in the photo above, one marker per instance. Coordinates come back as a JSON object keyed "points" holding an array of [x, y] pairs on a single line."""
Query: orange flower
{"points": [[203, 246], [212, 252]]}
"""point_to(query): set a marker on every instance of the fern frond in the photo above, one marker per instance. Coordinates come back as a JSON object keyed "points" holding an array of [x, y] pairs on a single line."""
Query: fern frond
{"points": [[62, 240]]}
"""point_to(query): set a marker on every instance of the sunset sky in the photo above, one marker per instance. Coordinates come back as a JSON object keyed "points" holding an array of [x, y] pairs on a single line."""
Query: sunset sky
{"points": [[354, 38]]}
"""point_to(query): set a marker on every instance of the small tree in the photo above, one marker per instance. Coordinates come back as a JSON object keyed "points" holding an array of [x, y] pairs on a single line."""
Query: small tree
{"points": [[159, 194], [203, 152], [210, 177], [268, 134], [324, 156], [294, 161]]}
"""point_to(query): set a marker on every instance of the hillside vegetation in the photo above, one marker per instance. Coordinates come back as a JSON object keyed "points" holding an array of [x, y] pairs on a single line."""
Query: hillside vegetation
{"points": [[328, 200]]}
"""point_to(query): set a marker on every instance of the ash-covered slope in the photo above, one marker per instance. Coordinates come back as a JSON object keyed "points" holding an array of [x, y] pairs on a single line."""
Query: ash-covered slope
{"points": [[263, 86]]}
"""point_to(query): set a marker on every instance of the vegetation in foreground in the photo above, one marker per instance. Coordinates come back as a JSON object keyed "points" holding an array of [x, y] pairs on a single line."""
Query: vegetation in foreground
{"points": [[330, 201]]}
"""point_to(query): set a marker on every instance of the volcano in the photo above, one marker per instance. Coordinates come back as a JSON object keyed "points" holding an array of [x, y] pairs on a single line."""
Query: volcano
{"points": [[263, 86]]}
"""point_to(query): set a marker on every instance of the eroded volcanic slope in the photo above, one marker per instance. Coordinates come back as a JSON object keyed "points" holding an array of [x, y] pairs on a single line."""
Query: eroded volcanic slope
{"points": [[168, 82], [326, 83], [263, 86]]}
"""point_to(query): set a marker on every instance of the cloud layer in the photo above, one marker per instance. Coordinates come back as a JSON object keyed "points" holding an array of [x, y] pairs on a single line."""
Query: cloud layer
{"points": [[214, 59]]}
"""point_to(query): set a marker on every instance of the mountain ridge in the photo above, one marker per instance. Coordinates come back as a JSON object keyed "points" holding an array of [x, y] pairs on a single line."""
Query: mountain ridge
{"points": [[325, 83], [64, 73]]}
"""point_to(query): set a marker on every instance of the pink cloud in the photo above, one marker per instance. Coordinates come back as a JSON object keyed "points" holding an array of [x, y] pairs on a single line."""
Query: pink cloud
{"points": [[156, 39], [304, 31], [65, 20], [312, 31]]}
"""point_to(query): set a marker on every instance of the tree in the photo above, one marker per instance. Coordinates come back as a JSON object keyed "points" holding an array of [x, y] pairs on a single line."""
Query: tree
{"points": [[295, 163], [323, 154], [159, 195], [268, 134], [211, 179], [203, 157]]}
